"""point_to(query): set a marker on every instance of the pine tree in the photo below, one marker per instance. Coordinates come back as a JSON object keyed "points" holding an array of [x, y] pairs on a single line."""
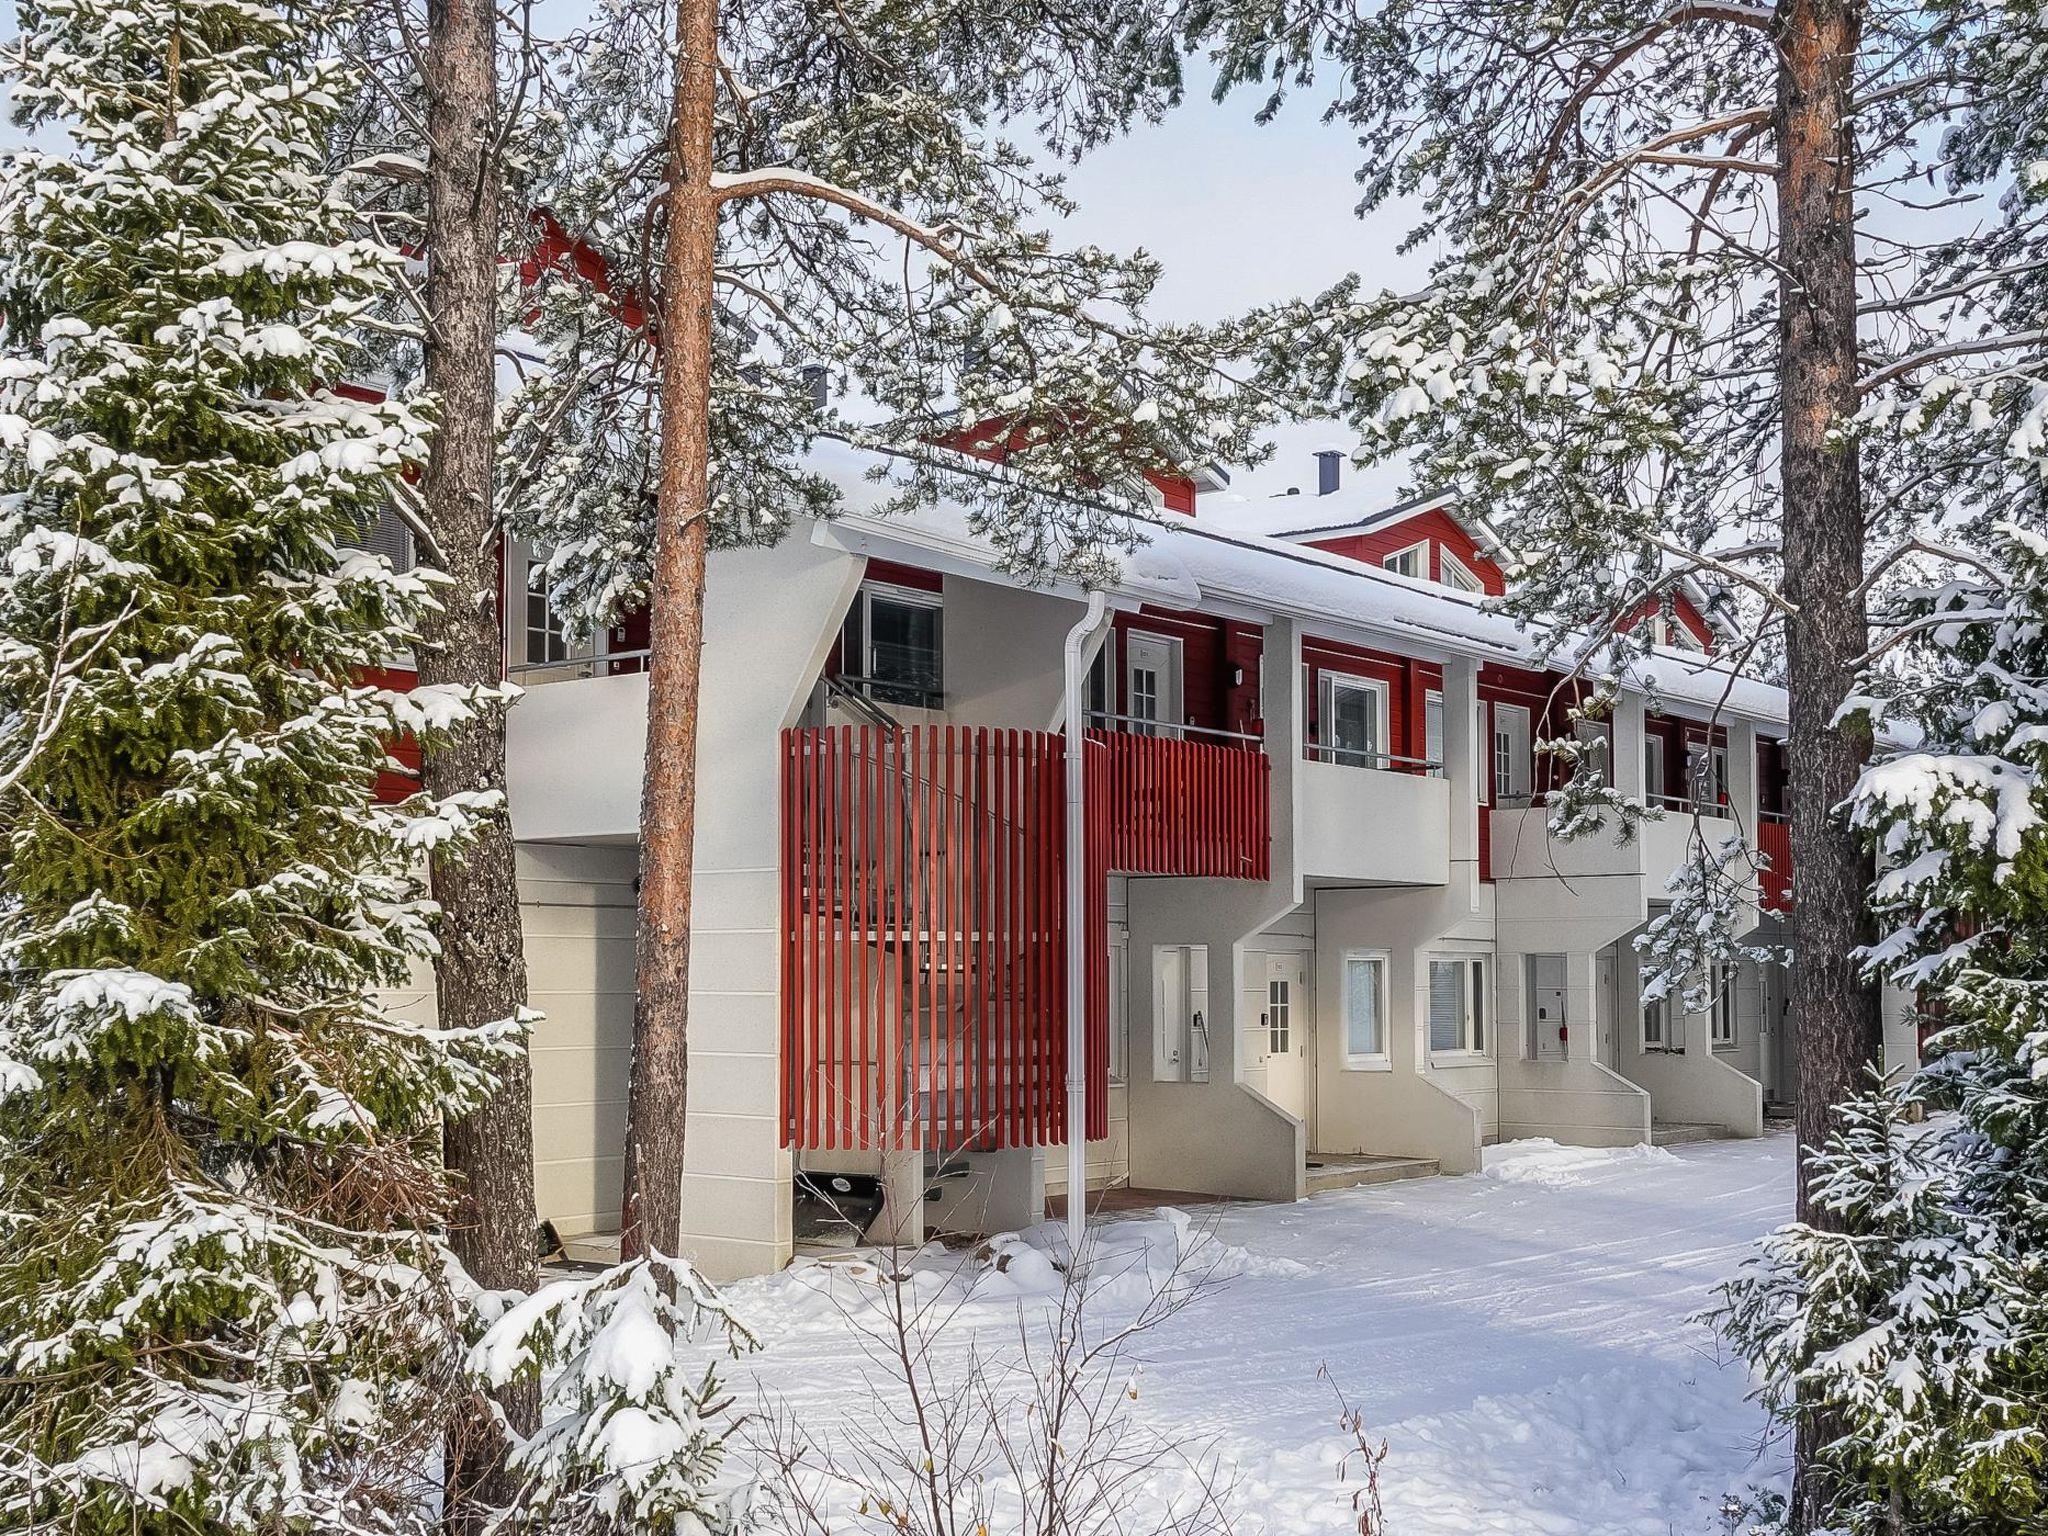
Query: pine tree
{"points": [[1915, 1322], [801, 190], [226, 1298]]}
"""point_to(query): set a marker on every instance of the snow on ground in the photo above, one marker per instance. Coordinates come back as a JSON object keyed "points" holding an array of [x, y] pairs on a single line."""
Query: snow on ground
{"points": [[1523, 1340]]}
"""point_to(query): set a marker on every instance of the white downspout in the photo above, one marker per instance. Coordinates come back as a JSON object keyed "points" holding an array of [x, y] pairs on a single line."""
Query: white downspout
{"points": [[1078, 938]]}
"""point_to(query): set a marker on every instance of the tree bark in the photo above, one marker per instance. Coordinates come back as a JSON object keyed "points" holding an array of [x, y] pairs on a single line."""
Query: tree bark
{"points": [[481, 975], [657, 1096], [1834, 1011]]}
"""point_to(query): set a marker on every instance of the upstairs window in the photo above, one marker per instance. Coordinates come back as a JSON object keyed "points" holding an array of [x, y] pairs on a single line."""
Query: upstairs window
{"points": [[1412, 561], [547, 641], [1510, 753], [891, 648], [1353, 712], [1458, 575], [1706, 773]]}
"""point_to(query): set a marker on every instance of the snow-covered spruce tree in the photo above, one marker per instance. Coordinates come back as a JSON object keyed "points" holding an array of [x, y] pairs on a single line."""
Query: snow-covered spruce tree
{"points": [[226, 1301], [1915, 1323], [807, 188]]}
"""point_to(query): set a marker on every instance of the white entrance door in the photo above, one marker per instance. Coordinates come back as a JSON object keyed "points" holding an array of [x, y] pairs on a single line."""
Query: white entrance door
{"points": [[1152, 681], [1285, 1011], [1607, 1006], [1547, 1018]]}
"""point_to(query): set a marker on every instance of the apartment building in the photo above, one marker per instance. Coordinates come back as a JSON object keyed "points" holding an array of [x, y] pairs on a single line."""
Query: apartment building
{"points": [[1329, 939]]}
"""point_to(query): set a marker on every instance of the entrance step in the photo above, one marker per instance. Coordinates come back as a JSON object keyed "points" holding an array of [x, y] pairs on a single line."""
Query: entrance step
{"points": [[1679, 1133], [1348, 1170], [1778, 1109]]}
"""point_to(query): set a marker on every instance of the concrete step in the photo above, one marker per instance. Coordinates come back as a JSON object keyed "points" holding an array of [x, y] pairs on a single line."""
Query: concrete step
{"points": [[1777, 1109], [1679, 1133], [1349, 1170]]}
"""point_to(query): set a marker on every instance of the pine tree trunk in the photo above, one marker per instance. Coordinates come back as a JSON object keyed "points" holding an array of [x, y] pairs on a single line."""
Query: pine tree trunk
{"points": [[481, 976], [1834, 1013], [656, 1099]]}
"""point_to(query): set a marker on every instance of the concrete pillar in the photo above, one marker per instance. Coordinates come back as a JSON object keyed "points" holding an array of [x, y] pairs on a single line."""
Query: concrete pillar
{"points": [[901, 1224], [1629, 731], [1742, 787]]}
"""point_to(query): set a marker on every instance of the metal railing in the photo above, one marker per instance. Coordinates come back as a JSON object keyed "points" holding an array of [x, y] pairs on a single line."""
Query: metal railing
{"points": [[574, 668], [1138, 725], [1382, 762]]}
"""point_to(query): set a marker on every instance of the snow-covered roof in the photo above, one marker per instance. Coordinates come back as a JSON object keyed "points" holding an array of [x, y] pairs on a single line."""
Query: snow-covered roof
{"points": [[1188, 565]]}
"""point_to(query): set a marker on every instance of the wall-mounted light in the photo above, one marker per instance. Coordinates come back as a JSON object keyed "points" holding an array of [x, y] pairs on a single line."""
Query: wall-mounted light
{"points": [[1236, 675]]}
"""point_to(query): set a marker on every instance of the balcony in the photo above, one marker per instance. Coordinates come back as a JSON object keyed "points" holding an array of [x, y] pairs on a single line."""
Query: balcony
{"points": [[1372, 818], [923, 918]]}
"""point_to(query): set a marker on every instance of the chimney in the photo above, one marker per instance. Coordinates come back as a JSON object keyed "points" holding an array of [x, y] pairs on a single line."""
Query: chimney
{"points": [[818, 383], [1329, 468]]}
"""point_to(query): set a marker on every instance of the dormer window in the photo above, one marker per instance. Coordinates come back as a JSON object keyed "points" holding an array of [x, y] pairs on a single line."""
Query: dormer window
{"points": [[1412, 561], [1457, 575]]}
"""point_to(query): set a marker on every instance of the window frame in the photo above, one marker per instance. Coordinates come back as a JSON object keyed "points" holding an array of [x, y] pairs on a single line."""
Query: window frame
{"points": [[1661, 1008], [1366, 1061], [1527, 792], [1419, 549], [1474, 1029], [1722, 1011], [1654, 787], [1457, 575], [1433, 732], [551, 627], [1279, 1016], [1602, 731], [864, 678], [1380, 754]]}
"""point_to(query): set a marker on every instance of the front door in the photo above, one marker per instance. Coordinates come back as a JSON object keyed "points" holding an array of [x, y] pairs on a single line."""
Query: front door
{"points": [[1548, 1024], [1606, 1003], [1152, 682], [1285, 1012]]}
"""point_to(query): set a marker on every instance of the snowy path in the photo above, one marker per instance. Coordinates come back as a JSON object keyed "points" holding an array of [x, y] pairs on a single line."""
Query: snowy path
{"points": [[1520, 1339]]}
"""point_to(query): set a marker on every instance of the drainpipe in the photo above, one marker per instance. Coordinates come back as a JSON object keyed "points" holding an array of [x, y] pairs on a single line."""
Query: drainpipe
{"points": [[1078, 939]]}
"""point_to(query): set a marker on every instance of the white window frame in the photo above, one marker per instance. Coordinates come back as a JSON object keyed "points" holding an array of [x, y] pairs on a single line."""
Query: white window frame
{"points": [[1482, 752], [1119, 1002], [1365, 1061], [550, 628], [1660, 1010], [1706, 774], [1420, 551], [909, 597], [1655, 779], [1526, 791], [1459, 576], [1378, 755], [1279, 1015], [1586, 732], [1433, 730], [1474, 1033], [1721, 1018]]}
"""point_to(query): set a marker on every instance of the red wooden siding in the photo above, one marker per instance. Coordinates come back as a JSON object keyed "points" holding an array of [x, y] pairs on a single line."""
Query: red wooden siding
{"points": [[996, 439], [1438, 527], [923, 932], [396, 784]]}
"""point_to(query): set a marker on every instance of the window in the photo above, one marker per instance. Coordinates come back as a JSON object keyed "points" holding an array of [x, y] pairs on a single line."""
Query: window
{"points": [[1457, 574], [1412, 561], [1653, 770], [1354, 720], [1510, 752], [1365, 1010], [386, 535], [1457, 1003], [1657, 1024], [1479, 738], [546, 641], [891, 647], [1119, 1003], [1433, 731], [1595, 738], [1278, 1006], [1706, 773], [1723, 1018]]}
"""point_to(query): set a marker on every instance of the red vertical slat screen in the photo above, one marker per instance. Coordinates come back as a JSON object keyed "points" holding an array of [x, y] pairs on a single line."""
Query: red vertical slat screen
{"points": [[923, 935], [1774, 842]]}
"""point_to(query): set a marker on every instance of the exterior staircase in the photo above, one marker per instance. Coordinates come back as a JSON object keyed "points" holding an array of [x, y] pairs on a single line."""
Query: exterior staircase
{"points": [[1349, 1170]]}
